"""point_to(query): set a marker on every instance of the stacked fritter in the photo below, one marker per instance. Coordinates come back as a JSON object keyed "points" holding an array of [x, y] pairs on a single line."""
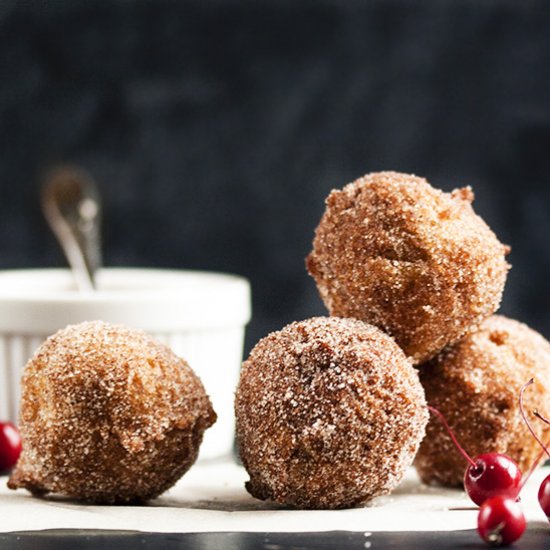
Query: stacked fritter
{"points": [[416, 262], [330, 411], [475, 383]]}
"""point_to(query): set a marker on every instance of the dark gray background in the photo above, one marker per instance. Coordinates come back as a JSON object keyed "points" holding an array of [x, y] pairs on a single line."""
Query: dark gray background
{"points": [[216, 128]]}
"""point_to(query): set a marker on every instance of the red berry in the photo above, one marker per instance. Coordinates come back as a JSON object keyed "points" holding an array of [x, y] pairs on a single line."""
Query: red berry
{"points": [[544, 496], [544, 489], [487, 475], [500, 521], [10, 445], [493, 474]]}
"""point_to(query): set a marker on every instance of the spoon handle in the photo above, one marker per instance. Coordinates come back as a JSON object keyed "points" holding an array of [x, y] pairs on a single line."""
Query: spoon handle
{"points": [[71, 205]]}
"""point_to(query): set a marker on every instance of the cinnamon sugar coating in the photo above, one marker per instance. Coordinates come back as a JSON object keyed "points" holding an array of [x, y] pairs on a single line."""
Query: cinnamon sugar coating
{"points": [[414, 261], [475, 384], [108, 415], [330, 414]]}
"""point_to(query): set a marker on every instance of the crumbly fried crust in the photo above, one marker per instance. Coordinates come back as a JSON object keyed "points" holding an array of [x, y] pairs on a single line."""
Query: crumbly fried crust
{"points": [[108, 415], [414, 261], [475, 384], [330, 414]]}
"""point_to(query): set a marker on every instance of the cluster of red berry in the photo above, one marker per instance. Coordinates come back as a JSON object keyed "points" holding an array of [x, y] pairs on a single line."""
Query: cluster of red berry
{"points": [[494, 481]]}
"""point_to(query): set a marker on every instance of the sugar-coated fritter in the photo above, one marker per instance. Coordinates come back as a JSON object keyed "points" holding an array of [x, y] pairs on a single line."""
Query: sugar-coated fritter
{"points": [[108, 415], [416, 262], [475, 384], [330, 414]]}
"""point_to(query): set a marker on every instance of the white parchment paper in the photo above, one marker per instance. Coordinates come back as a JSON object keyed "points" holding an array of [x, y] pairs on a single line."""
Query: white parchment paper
{"points": [[211, 497]]}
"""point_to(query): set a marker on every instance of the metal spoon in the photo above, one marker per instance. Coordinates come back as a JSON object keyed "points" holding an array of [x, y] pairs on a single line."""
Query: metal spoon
{"points": [[71, 204]]}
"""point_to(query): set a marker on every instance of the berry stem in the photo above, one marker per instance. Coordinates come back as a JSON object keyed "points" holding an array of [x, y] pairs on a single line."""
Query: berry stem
{"points": [[525, 419], [534, 466], [540, 417], [441, 418]]}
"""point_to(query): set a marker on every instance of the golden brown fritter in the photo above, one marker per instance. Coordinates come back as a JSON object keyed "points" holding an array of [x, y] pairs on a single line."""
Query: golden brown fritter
{"points": [[475, 384], [108, 415], [330, 414], [416, 262]]}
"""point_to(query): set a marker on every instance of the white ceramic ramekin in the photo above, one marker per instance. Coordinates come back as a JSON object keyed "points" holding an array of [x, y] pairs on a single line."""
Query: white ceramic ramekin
{"points": [[200, 315]]}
